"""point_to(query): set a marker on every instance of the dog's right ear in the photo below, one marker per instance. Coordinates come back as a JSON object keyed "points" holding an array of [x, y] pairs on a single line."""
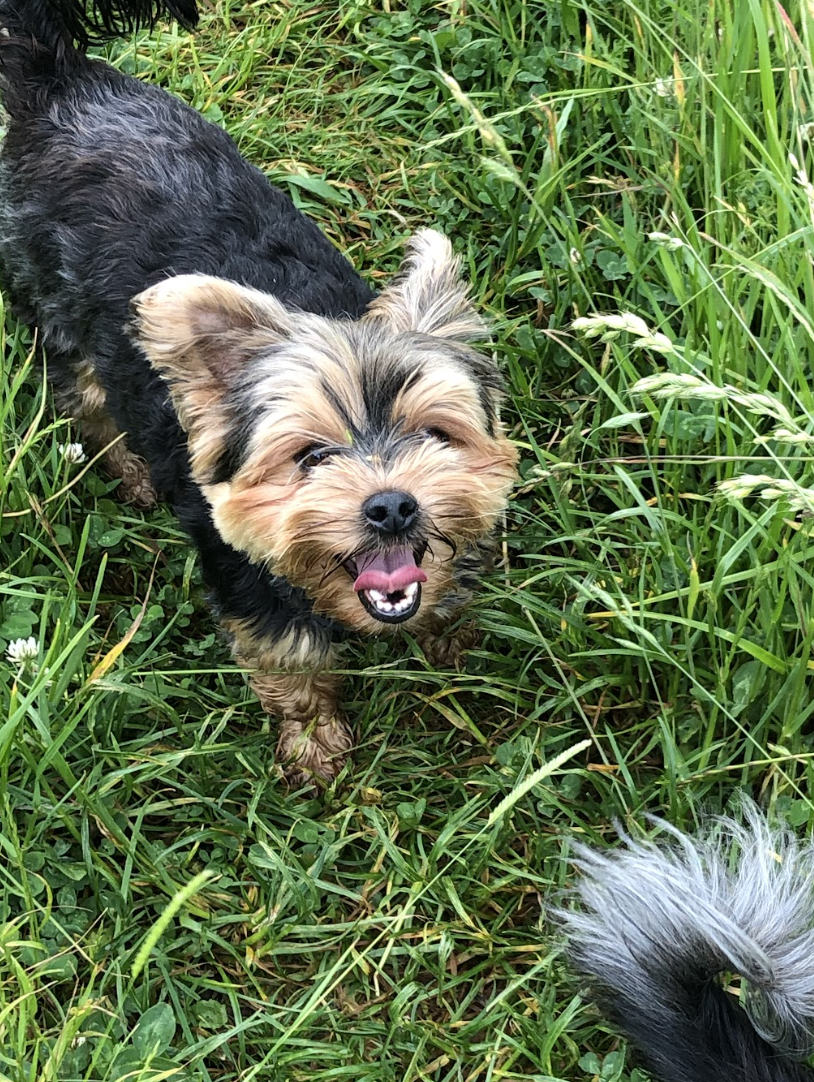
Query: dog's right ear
{"points": [[428, 294], [199, 333]]}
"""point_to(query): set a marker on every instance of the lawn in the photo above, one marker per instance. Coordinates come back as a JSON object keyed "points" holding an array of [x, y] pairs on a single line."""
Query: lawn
{"points": [[168, 909]]}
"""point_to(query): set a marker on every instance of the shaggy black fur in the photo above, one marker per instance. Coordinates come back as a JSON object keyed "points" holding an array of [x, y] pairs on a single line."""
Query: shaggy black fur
{"points": [[108, 185], [79, 22]]}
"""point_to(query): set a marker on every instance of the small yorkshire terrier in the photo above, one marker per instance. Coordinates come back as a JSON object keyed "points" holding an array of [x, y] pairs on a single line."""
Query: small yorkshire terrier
{"points": [[336, 456]]}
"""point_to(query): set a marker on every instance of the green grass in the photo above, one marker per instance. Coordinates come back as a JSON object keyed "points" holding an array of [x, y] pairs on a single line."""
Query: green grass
{"points": [[395, 930]]}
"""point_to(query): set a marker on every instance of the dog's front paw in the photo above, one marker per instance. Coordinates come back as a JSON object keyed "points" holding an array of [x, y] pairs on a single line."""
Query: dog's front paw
{"points": [[136, 487], [446, 650], [313, 754]]}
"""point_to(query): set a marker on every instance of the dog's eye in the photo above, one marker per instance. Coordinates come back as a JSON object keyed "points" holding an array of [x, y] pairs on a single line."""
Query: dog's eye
{"points": [[438, 434], [312, 456]]}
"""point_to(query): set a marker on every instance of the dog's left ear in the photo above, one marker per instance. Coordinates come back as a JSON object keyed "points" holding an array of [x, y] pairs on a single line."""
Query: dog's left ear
{"points": [[200, 333], [196, 326], [428, 294]]}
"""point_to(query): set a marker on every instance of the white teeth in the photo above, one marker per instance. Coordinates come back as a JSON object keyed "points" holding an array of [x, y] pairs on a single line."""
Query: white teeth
{"points": [[382, 603]]}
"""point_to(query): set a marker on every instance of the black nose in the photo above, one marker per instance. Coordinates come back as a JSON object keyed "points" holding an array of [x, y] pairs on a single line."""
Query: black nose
{"points": [[390, 512]]}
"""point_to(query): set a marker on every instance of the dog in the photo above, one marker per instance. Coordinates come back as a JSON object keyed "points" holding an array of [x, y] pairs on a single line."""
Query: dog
{"points": [[336, 456], [660, 924]]}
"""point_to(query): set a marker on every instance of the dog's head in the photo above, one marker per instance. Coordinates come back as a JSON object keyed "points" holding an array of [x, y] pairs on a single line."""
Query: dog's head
{"points": [[354, 458]]}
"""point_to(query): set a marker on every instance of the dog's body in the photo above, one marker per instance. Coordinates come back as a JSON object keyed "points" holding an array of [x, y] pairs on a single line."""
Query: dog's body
{"points": [[659, 927], [336, 458]]}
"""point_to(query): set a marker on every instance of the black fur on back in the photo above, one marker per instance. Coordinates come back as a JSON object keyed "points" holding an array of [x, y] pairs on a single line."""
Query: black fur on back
{"points": [[43, 41]]}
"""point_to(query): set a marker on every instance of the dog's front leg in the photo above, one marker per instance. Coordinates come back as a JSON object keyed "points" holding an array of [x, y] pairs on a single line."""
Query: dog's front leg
{"points": [[314, 737], [290, 675]]}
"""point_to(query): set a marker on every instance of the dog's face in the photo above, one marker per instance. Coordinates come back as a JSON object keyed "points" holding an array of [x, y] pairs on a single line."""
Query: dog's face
{"points": [[358, 459]]}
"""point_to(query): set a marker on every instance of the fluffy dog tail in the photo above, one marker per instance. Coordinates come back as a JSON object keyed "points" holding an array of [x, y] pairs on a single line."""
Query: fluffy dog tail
{"points": [[42, 41], [52, 22], [660, 925]]}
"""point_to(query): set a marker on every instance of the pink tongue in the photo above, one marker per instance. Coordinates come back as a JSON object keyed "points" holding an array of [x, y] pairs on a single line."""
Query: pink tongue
{"points": [[388, 573]]}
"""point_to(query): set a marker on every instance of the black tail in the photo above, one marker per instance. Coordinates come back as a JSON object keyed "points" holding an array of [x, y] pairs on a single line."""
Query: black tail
{"points": [[42, 41], [87, 20], [660, 925], [53, 23]]}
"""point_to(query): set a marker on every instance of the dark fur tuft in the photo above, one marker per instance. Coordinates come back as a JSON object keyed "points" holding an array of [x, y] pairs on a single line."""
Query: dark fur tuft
{"points": [[658, 927], [90, 21]]}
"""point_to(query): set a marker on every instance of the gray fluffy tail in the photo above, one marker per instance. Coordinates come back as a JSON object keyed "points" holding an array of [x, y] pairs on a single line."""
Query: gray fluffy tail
{"points": [[659, 924]]}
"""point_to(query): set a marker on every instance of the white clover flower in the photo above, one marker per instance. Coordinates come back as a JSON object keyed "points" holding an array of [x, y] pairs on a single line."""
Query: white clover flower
{"points": [[807, 131], [665, 88], [665, 240], [23, 652], [74, 453]]}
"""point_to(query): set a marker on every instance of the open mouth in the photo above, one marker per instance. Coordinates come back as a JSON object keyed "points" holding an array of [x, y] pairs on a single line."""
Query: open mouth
{"points": [[389, 584]]}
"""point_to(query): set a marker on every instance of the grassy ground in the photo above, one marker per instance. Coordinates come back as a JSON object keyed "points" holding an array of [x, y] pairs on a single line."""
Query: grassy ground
{"points": [[396, 929]]}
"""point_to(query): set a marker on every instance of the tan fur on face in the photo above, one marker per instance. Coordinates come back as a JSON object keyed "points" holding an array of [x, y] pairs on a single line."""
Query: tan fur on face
{"points": [[203, 333], [311, 381], [304, 524]]}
